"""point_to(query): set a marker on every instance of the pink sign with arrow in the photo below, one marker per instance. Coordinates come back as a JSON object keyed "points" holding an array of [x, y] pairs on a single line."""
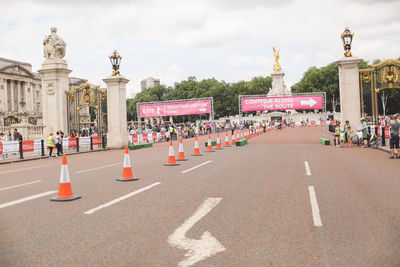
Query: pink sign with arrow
{"points": [[282, 103], [175, 109]]}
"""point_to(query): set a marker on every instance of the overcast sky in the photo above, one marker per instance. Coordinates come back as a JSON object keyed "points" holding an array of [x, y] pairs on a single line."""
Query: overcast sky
{"points": [[229, 40]]}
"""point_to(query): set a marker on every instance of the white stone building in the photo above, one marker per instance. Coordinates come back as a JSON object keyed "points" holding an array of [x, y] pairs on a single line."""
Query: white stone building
{"points": [[149, 82], [21, 93]]}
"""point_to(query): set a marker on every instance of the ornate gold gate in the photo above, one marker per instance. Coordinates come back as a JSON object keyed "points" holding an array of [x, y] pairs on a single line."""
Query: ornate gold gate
{"points": [[87, 97], [381, 76]]}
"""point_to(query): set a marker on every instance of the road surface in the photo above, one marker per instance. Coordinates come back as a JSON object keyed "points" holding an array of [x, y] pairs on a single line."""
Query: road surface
{"points": [[281, 200]]}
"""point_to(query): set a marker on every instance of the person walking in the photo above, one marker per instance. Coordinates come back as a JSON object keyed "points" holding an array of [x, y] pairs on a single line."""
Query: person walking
{"points": [[394, 136], [364, 130], [337, 134], [50, 144], [61, 140], [57, 141]]}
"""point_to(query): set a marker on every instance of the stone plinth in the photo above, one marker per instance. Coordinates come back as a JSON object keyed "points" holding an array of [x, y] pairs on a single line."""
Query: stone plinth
{"points": [[278, 86], [55, 82], [349, 86], [117, 136]]}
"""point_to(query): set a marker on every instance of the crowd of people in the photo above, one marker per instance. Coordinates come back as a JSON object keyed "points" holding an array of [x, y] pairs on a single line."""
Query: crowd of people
{"points": [[189, 129], [343, 134]]}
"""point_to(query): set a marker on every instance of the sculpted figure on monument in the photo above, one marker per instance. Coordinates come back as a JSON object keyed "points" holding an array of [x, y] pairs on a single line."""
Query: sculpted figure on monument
{"points": [[277, 66], [54, 46]]}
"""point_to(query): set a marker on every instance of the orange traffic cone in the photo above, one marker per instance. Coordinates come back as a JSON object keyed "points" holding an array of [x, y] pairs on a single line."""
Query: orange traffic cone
{"points": [[233, 139], [181, 154], [227, 141], [218, 146], [237, 136], [171, 156], [127, 174], [209, 146], [64, 191], [241, 136], [196, 151]]}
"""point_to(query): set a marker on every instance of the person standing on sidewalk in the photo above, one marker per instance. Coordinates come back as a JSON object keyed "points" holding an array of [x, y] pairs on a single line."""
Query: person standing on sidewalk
{"points": [[382, 124], [394, 136], [57, 141], [50, 144], [364, 130]]}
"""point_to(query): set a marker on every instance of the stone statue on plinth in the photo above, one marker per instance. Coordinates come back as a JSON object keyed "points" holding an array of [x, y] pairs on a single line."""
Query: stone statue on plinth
{"points": [[54, 46], [278, 86], [55, 81]]}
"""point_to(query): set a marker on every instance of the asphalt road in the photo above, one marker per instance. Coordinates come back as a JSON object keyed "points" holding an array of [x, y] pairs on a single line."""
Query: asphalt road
{"points": [[259, 203]]}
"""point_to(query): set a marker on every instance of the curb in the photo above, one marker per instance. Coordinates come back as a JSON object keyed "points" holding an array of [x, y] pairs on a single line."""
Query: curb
{"points": [[46, 157]]}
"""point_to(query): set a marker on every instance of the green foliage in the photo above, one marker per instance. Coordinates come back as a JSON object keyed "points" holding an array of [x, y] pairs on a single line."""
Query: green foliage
{"points": [[325, 79]]}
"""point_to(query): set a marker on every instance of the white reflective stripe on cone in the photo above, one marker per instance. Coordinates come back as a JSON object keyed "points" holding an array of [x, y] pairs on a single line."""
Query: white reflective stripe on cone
{"points": [[171, 151], [64, 177], [180, 147], [196, 144], [209, 142], [127, 162]]}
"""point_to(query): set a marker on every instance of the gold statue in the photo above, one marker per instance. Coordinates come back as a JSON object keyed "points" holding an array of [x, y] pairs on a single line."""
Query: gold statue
{"points": [[277, 66]]}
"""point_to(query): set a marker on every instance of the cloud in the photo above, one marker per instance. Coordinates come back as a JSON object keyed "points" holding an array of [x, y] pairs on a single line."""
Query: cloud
{"points": [[230, 40]]}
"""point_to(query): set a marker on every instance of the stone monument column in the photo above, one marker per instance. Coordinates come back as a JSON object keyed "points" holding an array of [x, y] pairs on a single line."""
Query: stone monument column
{"points": [[55, 82], [117, 136], [349, 86]]}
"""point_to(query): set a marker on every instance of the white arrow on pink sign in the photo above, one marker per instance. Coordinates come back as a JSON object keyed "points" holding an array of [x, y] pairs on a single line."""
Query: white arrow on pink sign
{"points": [[282, 103]]}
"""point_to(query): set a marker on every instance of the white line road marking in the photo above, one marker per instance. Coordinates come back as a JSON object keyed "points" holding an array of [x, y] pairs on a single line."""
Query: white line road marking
{"points": [[112, 202], [188, 170], [314, 207], [18, 185], [308, 171], [92, 169], [24, 169], [198, 250], [26, 199]]}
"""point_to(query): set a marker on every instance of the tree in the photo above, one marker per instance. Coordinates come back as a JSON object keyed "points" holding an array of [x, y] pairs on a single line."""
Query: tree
{"points": [[325, 79]]}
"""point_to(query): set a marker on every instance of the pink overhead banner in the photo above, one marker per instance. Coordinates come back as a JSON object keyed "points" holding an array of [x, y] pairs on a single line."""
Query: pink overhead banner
{"points": [[282, 103], [175, 109]]}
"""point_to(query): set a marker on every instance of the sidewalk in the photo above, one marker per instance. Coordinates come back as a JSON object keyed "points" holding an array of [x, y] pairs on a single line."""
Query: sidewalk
{"points": [[38, 157]]}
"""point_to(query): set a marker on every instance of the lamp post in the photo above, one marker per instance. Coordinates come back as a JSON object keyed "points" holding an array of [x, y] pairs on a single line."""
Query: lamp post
{"points": [[347, 38], [228, 109], [115, 60]]}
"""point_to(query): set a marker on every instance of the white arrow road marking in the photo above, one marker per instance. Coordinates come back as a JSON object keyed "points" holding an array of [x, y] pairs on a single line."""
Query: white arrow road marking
{"points": [[311, 102], [198, 250]]}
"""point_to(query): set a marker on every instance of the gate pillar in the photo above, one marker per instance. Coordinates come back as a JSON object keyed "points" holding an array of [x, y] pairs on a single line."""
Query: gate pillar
{"points": [[349, 87], [117, 136]]}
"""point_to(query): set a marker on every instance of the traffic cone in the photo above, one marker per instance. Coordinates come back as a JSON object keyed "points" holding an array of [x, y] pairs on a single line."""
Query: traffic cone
{"points": [[171, 156], [127, 174], [227, 141], [196, 151], [181, 154], [241, 136], [218, 146], [233, 139], [209, 146], [237, 136], [64, 191]]}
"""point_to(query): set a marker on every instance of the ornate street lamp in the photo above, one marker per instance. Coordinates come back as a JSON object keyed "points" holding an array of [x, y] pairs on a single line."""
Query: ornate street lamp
{"points": [[115, 60], [347, 38]]}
